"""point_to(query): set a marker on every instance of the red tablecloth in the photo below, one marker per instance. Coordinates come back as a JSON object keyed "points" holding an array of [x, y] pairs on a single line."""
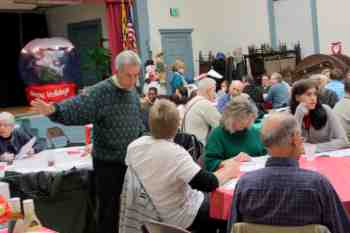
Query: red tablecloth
{"points": [[337, 170]]}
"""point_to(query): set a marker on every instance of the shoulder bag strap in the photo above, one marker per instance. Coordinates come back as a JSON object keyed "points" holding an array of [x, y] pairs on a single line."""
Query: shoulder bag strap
{"points": [[187, 111], [143, 187]]}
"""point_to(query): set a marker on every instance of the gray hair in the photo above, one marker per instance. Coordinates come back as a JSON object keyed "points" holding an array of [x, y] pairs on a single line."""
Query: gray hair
{"points": [[205, 84], [318, 77], [277, 76], [127, 57], [281, 132], [238, 108], [7, 117]]}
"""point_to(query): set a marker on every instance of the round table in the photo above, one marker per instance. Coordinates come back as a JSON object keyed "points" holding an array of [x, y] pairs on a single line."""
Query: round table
{"points": [[64, 160]]}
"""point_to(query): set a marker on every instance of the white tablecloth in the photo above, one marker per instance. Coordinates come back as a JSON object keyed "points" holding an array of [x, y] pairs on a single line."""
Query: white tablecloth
{"points": [[64, 159]]}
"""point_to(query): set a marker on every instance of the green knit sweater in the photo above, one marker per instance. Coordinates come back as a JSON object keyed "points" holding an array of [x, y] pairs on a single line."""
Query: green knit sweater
{"points": [[223, 145], [114, 113]]}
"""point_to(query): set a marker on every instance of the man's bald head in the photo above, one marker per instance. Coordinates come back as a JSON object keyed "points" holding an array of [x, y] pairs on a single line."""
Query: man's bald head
{"points": [[236, 88], [280, 132]]}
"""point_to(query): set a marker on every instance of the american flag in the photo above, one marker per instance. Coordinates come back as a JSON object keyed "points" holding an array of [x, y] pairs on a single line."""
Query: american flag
{"points": [[130, 42]]}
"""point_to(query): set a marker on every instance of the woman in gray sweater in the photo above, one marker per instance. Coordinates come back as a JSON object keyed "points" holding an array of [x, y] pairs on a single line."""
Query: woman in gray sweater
{"points": [[319, 125]]}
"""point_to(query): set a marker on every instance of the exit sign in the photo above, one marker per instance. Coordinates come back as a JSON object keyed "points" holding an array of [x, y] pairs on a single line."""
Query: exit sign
{"points": [[174, 12]]}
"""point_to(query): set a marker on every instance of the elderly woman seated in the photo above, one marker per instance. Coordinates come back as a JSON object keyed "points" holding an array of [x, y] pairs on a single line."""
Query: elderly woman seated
{"points": [[12, 138], [237, 137], [174, 182]]}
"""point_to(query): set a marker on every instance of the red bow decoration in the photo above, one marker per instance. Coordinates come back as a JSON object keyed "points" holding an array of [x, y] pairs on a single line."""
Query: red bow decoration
{"points": [[336, 47]]}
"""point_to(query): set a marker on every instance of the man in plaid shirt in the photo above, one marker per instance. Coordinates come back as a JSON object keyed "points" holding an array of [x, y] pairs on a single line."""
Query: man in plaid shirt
{"points": [[282, 193]]}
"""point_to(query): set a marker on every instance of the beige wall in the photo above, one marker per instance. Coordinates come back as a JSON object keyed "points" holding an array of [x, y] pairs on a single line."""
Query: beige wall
{"points": [[333, 24], [218, 25], [59, 18]]}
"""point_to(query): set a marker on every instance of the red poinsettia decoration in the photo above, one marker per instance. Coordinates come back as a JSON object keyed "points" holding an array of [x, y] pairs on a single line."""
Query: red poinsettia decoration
{"points": [[5, 210]]}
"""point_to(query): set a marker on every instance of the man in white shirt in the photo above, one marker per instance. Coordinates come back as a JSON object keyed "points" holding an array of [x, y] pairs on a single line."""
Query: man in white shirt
{"points": [[201, 114]]}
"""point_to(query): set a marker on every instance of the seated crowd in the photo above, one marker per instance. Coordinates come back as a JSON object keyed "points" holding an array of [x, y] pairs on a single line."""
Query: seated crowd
{"points": [[232, 130], [233, 126]]}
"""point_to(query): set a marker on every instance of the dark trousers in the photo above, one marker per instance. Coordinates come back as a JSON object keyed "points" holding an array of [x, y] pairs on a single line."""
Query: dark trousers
{"points": [[109, 178], [203, 223]]}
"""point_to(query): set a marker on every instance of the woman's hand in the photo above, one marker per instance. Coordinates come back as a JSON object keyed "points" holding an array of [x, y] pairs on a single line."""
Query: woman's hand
{"points": [[302, 107], [42, 107], [228, 169], [243, 157]]}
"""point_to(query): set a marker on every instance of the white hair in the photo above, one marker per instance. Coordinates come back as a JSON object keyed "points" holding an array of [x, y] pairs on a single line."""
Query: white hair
{"points": [[206, 83], [127, 57], [277, 76], [237, 110], [7, 117], [281, 134]]}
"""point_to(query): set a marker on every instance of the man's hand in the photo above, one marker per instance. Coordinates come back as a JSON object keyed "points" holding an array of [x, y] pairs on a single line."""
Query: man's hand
{"points": [[42, 107], [87, 150], [243, 157]]}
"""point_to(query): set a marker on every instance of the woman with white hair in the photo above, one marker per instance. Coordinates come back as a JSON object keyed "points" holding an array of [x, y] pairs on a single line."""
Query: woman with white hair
{"points": [[12, 138], [175, 183], [236, 136]]}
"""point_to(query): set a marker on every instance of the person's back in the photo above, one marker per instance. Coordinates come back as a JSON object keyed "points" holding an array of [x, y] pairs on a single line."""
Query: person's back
{"points": [[328, 97], [221, 103], [170, 193], [342, 110], [282, 193], [110, 122], [337, 87], [336, 84], [201, 116], [278, 95]]}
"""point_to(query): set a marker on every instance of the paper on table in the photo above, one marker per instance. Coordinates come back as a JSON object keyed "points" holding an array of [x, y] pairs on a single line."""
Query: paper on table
{"points": [[255, 164], [26, 149], [336, 153]]}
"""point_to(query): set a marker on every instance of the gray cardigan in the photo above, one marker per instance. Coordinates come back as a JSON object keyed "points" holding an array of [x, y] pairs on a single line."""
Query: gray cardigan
{"points": [[331, 137]]}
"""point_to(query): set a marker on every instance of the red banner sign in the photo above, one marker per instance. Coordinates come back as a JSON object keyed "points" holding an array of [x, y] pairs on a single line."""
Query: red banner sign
{"points": [[51, 92]]}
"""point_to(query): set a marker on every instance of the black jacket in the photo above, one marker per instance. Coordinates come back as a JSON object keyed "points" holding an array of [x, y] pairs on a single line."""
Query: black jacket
{"points": [[18, 139]]}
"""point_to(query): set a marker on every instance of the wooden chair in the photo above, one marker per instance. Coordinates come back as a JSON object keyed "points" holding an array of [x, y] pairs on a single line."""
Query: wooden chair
{"points": [[158, 227], [257, 228], [57, 132]]}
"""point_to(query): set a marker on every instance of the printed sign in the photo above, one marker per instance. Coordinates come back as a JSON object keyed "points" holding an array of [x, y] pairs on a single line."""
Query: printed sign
{"points": [[51, 92]]}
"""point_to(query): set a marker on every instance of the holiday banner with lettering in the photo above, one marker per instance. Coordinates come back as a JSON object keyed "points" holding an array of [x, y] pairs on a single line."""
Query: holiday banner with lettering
{"points": [[50, 69]]}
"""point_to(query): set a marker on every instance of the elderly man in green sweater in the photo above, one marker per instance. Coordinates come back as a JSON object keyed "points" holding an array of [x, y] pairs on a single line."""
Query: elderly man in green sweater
{"points": [[236, 136], [113, 107]]}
